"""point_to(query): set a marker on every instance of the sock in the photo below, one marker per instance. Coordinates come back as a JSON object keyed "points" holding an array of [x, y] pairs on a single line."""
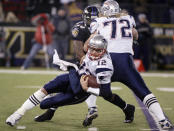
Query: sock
{"points": [[91, 101], [31, 102], [116, 100], [153, 106]]}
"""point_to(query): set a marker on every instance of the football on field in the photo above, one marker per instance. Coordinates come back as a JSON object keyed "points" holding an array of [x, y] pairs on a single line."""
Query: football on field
{"points": [[92, 82]]}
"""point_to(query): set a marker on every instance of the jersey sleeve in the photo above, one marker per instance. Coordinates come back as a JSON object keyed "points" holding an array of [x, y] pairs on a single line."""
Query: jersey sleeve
{"points": [[104, 75], [80, 32], [104, 72], [93, 26], [75, 33], [132, 21]]}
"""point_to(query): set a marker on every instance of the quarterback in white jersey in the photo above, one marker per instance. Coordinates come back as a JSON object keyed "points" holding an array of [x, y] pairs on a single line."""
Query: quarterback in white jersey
{"points": [[99, 68], [98, 63]]}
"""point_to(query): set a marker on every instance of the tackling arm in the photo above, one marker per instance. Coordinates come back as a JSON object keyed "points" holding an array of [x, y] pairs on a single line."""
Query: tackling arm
{"points": [[135, 34], [87, 42], [78, 49]]}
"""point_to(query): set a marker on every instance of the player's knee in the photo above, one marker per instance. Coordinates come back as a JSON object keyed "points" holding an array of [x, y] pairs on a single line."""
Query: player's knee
{"points": [[44, 91], [42, 105], [106, 95], [48, 88], [45, 104]]}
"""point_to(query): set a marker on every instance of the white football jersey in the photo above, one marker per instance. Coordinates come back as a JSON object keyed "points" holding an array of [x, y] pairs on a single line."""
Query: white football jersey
{"points": [[102, 69], [117, 31]]}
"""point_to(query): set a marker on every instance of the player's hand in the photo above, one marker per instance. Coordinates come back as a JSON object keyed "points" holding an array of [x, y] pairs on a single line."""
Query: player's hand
{"points": [[56, 57], [84, 82], [85, 47]]}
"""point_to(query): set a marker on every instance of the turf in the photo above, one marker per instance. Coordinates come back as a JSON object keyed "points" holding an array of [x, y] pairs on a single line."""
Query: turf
{"points": [[70, 118]]}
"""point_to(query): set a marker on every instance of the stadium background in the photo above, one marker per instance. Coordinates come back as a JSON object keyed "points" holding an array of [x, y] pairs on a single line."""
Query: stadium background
{"points": [[18, 35]]}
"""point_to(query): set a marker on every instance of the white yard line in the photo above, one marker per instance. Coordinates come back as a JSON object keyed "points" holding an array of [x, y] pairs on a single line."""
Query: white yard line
{"points": [[34, 86], [157, 74], [149, 129], [28, 86], [166, 89], [55, 72], [93, 129], [164, 108], [116, 88], [43, 72]]}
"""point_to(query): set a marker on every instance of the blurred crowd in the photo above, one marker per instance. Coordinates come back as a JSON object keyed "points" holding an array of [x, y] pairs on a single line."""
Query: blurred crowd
{"points": [[56, 18], [23, 10]]}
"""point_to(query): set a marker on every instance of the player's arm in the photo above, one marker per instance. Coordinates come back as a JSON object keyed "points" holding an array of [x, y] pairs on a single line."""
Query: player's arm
{"points": [[78, 44], [135, 34], [134, 31], [93, 30], [103, 80], [78, 49], [103, 88], [87, 42], [85, 85]]}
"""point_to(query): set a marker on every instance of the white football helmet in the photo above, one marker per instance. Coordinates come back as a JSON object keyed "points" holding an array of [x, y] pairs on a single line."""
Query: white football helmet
{"points": [[97, 47], [110, 8]]}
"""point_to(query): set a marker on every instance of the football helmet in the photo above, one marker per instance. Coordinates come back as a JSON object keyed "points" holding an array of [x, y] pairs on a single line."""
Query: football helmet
{"points": [[90, 13], [97, 47], [110, 8]]}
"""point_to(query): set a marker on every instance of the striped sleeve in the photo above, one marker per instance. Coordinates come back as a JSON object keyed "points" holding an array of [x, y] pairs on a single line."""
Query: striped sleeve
{"points": [[103, 75]]}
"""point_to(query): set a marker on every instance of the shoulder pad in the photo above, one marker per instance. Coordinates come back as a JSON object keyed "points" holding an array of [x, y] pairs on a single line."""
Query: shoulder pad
{"points": [[75, 31], [78, 24]]}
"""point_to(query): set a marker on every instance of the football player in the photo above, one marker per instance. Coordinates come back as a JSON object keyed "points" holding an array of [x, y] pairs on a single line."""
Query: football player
{"points": [[80, 33], [97, 62], [119, 30]]}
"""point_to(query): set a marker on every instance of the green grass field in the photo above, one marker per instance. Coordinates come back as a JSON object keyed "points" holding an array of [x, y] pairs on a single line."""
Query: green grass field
{"points": [[15, 89]]}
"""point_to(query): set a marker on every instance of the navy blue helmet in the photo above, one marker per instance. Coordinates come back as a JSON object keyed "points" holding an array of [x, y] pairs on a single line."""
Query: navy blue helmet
{"points": [[90, 13]]}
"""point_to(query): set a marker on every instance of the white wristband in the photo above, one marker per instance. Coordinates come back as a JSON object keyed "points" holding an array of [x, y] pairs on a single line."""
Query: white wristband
{"points": [[94, 91]]}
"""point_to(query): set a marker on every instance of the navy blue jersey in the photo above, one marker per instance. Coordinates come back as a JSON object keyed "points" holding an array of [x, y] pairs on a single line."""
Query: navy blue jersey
{"points": [[68, 88], [80, 32]]}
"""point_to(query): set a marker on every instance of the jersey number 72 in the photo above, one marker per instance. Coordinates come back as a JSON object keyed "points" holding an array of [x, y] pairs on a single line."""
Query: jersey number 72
{"points": [[124, 29]]}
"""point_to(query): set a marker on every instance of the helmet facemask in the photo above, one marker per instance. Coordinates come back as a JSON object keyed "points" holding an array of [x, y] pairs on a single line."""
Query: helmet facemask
{"points": [[87, 19], [90, 13], [95, 54]]}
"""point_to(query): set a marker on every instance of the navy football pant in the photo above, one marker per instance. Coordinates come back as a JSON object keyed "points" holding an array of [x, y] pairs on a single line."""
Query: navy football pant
{"points": [[65, 96], [126, 73]]}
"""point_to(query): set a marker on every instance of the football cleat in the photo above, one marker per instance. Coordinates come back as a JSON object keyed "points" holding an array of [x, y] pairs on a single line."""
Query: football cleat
{"points": [[129, 113], [13, 119], [92, 114], [48, 115], [165, 124]]}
